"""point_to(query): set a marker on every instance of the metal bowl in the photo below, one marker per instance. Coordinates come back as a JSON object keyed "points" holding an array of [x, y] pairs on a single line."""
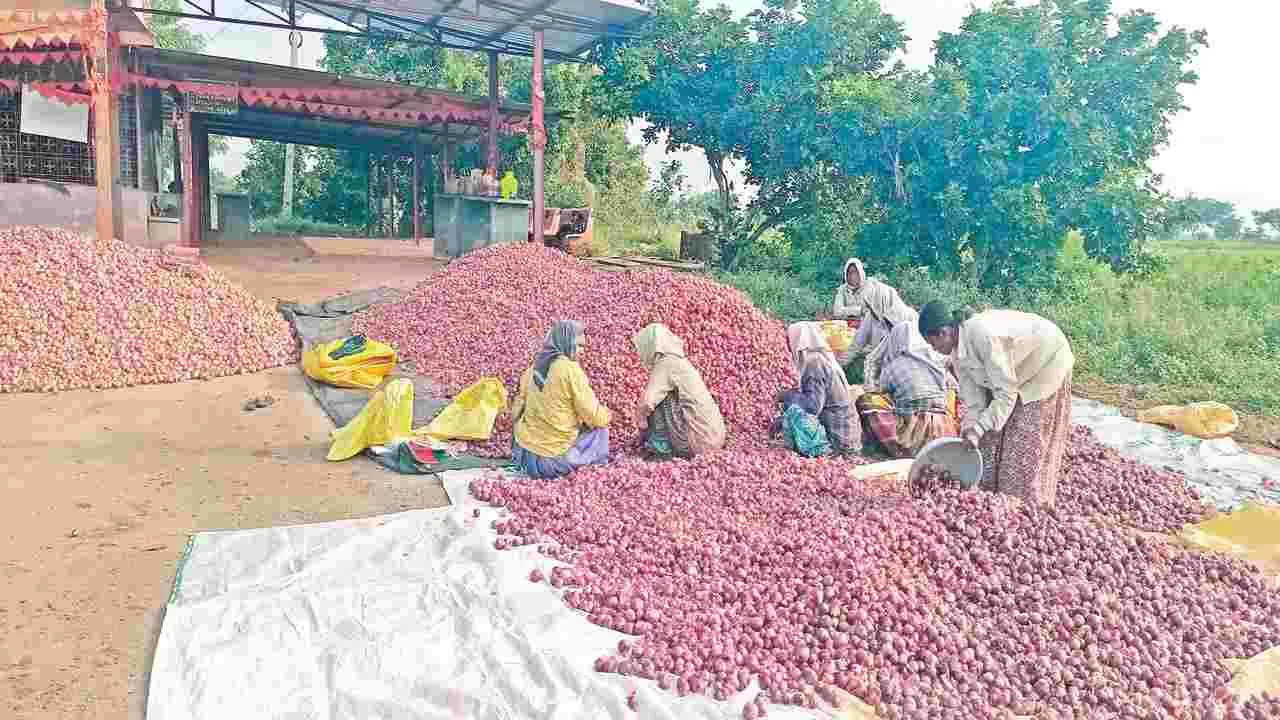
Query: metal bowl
{"points": [[953, 454]]}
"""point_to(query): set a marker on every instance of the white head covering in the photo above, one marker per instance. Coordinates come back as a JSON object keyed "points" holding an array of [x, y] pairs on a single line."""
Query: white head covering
{"points": [[807, 342], [905, 340], [844, 274], [654, 340], [884, 303]]}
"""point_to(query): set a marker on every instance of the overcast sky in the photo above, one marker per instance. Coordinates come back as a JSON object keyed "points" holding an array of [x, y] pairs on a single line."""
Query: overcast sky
{"points": [[1224, 147]]}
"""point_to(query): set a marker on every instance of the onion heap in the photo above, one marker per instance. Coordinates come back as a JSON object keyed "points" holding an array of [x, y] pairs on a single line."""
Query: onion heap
{"points": [[87, 313], [487, 313], [1096, 479], [762, 565]]}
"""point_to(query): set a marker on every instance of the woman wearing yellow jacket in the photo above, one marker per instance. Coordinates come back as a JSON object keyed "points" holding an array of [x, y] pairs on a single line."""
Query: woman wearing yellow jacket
{"points": [[559, 424]]}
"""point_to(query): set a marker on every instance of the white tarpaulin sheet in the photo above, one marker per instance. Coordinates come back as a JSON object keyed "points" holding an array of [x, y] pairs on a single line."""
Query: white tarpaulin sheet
{"points": [[51, 118], [1224, 473], [406, 616], [416, 615]]}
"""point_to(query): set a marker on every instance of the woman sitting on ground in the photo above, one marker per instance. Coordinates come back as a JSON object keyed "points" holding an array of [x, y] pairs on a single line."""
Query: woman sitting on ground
{"points": [[911, 398], [559, 424], [1014, 370], [818, 416], [678, 416]]}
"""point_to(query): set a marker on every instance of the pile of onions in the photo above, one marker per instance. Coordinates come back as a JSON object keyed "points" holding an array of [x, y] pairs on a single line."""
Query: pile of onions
{"points": [[761, 565], [86, 313], [1096, 479], [487, 313]]}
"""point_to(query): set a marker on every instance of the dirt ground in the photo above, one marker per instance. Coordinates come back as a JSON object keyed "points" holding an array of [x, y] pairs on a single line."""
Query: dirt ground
{"points": [[103, 489], [1259, 434]]}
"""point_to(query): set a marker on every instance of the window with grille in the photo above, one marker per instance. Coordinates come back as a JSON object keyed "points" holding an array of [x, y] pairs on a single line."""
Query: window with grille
{"points": [[38, 157]]}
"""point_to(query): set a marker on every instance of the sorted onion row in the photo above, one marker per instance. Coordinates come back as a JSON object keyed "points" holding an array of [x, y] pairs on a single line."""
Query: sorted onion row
{"points": [[739, 568], [87, 313]]}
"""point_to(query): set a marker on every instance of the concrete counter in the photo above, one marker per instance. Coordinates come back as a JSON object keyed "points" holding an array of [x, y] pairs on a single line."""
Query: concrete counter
{"points": [[463, 223]]}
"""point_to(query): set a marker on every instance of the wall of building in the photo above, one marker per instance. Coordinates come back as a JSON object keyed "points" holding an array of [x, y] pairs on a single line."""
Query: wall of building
{"points": [[34, 203], [37, 203]]}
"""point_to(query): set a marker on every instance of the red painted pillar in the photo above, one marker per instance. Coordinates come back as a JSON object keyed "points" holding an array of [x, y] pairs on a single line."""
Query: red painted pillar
{"points": [[492, 163], [109, 220], [202, 187], [538, 140]]}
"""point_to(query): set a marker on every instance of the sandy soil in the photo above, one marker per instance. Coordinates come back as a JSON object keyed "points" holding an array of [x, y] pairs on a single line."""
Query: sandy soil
{"points": [[103, 488]]}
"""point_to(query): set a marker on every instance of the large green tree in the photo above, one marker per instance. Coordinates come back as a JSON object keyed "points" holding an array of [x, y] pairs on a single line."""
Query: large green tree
{"points": [[748, 89], [680, 75], [1219, 215], [1034, 120]]}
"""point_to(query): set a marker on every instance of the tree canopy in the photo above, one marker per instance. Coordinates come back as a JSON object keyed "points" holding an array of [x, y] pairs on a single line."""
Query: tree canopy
{"points": [[1033, 120]]}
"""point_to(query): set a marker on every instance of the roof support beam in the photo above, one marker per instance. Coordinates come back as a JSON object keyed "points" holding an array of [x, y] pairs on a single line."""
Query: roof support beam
{"points": [[519, 20]]}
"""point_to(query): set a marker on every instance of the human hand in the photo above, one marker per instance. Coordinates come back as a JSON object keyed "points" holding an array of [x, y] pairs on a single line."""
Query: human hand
{"points": [[973, 437]]}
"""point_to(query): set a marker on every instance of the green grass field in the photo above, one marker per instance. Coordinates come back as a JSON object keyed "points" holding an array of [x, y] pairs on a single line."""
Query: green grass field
{"points": [[1205, 328]]}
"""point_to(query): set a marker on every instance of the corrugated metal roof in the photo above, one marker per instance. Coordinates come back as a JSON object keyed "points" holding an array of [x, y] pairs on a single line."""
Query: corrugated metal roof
{"points": [[571, 27]]}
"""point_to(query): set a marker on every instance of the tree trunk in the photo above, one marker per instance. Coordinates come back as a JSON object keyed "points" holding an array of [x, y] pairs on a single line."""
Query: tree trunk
{"points": [[716, 161]]}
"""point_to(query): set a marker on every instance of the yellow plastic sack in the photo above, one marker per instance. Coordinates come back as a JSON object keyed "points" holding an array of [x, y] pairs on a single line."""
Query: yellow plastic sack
{"points": [[471, 414], [386, 417], [365, 369], [838, 334], [1208, 420], [1252, 534]]}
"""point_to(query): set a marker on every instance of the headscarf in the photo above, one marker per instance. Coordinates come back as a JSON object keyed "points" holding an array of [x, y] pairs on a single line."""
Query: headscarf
{"points": [[884, 303], [806, 339], [844, 274], [654, 340], [905, 340], [561, 340]]}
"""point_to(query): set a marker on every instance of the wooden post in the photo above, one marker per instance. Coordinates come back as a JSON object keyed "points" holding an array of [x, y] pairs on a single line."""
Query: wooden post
{"points": [[371, 166], [106, 136], [492, 164], [538, 140], [190, 212], [417, 190]]}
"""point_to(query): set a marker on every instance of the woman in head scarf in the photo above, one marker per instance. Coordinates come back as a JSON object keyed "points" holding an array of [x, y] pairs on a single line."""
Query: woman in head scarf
{"points": [[682, 418], [848, 302], [823, 400], [877, 307], [916, 400], [1014, 370], [559, 423]]}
